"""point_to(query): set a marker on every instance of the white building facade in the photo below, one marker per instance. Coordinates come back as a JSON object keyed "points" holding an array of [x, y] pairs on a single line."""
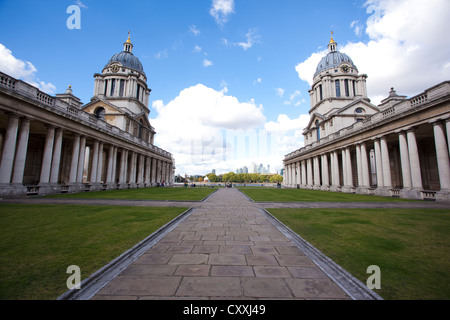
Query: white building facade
{"points": [[55, 144], [399, 148]]}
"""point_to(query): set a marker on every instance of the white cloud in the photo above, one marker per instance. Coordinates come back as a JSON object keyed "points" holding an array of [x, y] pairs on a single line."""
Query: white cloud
{"points": [[194, 125], [221, 9], [408, 47], [357, 28], [194, 30], [162, 54], [288, 132], [23, 70], [197, 48], [280, 92], [207, 63], [292, 98], [252, 38], [81, 4]]}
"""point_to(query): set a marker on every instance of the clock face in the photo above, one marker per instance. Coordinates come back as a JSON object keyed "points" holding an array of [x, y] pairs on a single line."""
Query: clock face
{"points": [[115, 68], [345, 69]]}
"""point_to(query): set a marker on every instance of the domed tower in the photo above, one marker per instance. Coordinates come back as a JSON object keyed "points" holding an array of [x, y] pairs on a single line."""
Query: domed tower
{"points": [[121, 94], [338, 96], [336, 82], [123, 81]]}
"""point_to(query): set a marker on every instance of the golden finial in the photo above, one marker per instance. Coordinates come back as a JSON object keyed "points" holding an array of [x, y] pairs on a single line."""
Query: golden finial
{"points": [[332, 40], [128, 40]]}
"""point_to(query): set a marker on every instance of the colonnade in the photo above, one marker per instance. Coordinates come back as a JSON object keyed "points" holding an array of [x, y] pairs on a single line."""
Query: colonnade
{"points": [[40, 158], [411, 163]]}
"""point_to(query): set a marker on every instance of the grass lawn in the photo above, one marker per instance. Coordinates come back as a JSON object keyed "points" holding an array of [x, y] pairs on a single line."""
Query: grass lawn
{"points": [[39, 242], [171, 194], [412, 247], [293, 195]]}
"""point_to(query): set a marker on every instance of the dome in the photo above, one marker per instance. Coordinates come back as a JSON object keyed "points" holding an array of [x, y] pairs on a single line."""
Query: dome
{"points": [[127, 59], [333, 59]]}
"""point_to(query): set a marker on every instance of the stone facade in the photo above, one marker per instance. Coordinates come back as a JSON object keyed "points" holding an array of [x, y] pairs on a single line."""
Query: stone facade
{"points": [[54, 144], [399, 148]]}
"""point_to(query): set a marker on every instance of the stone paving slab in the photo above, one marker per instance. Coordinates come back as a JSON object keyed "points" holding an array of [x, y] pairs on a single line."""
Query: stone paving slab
{"points": [[225, 249]]}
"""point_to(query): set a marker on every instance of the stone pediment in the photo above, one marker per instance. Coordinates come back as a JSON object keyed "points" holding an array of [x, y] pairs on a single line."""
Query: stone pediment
{"points": [[109, 107]]}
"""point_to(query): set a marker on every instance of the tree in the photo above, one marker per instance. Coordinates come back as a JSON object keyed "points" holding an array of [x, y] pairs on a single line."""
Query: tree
{"points": [[276, 178], [200, 179], [212, 177]]}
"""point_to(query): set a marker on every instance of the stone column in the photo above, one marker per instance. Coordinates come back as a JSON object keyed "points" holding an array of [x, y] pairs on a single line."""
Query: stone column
{"points": [[159, 172], [133, 170], [316, 172], [348, 167], [333, 173], [110, 165], [404, 157], [365, 166], [386, 163], [344, 167], [359, 167], [81, 159], [21, 153], [94, 165], [298, 174], [293, 175], [414, 162], [75, 156], [303, 165], [154, 168], [378, 164], [286, 175], [309, 170], [447, 125], [9, 148], [57, 147], [442, 156], [148, 166], [100, 163], [122, 175], [47, 157], [325, 176], [141, 171]]}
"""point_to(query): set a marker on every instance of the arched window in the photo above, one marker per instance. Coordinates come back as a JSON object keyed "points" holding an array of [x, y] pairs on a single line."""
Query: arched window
{"points": [[100, 113], [318, 130]]}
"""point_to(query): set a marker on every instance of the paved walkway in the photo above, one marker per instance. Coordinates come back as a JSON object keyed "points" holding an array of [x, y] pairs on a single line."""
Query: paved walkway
{"points": [[226, 249]]}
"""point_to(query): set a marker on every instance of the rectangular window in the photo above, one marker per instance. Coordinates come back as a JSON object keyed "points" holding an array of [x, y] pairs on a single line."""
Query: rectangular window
{"points": [[347, 91], [338, 88], [106, 87], [354, 88], [138, 91], [113, 87], [321, 93], [121, 88]]}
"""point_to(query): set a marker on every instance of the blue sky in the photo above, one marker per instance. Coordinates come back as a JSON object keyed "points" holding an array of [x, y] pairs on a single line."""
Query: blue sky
{"points": [[229, 78]]}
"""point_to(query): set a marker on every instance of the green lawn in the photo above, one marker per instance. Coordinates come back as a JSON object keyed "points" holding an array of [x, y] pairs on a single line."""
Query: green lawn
{"points": [[412, 247], [170, 194], [39, 242], [293, 195]]}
